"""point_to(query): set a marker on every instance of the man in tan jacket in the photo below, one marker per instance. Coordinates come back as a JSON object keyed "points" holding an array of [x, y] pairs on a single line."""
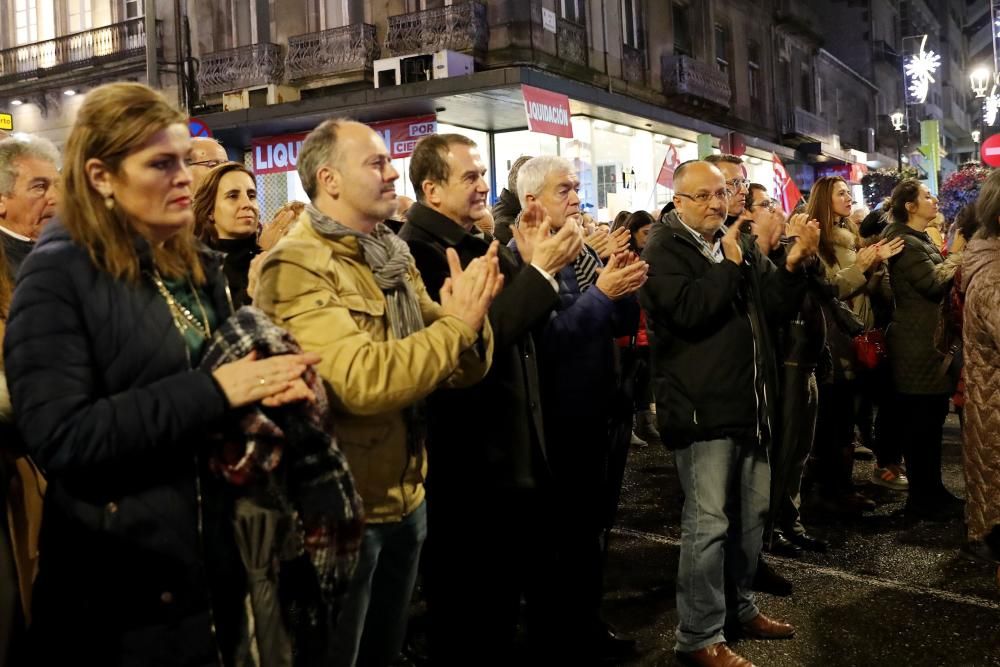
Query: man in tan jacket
{"points": [[347, 288]]}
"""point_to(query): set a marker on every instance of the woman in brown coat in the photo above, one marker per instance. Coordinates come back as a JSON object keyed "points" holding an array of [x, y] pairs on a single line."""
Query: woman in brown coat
{"points": [[981, 336]]}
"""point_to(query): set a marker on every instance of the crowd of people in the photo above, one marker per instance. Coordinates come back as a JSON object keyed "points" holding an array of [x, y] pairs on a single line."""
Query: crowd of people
{"points": [[233, 443]]}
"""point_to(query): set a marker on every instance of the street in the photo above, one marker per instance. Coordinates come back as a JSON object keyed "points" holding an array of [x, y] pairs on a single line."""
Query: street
{"points": [[885, 594]]}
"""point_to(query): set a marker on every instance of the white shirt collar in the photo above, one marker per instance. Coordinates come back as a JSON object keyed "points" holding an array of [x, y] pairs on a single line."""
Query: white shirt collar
{"points": [[15, 235]]}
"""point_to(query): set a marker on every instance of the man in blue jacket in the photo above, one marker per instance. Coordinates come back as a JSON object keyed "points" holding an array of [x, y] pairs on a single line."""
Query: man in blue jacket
{"points": [[577, 371], [709, 298]]}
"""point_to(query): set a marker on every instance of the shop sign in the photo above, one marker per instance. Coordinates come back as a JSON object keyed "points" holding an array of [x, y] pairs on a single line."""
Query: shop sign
{"points": [[990, 152], [547, 112], [276, 155], [6, 121], [852, 173], [549, 20]]}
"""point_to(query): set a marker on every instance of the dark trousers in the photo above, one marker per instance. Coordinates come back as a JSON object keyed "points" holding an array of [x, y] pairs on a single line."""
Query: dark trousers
{"points": [[833, 451], [486, 548], [920, 427], [799, 398], [877, 416]]}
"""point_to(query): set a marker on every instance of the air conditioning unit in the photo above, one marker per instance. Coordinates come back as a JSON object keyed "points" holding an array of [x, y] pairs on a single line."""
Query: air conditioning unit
{"points": [[421, 67], [259, 96]]}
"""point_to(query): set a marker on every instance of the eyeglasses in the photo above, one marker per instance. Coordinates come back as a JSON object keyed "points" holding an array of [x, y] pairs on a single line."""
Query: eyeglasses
{"points": [[208, 164], [738, 183], [769, 204], [705, 197]]}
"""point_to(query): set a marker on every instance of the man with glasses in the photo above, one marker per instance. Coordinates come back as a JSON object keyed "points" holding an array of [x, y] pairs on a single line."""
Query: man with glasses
{"points": [[737, 183], [206, 153], [709, 297]]}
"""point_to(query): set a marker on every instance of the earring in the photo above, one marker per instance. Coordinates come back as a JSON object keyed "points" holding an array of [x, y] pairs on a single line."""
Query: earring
{"points": [[109, 202]]}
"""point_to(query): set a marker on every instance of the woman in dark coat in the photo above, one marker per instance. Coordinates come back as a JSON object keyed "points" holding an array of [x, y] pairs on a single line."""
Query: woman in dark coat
{"points": [[228, 219], [920, 279], [109, 317]]}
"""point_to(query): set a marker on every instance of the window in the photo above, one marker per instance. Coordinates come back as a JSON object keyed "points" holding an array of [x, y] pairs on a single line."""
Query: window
{"points": [[80, 15], [722, 48], [244, 22], [25, 21], [682, 30], [326, 14], [573, 10], [607, 181], [805, 88], [134, 9], [632, 24], [753, 68], [819, 95]]}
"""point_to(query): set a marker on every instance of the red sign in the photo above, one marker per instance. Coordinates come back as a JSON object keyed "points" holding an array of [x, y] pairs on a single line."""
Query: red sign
{"points": [[990, 152], [670, 164], [276, 155], [784, 187], [547, 112]]}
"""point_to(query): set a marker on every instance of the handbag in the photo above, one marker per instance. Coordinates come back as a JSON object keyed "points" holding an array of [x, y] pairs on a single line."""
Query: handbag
{"points": [[870, 348]]}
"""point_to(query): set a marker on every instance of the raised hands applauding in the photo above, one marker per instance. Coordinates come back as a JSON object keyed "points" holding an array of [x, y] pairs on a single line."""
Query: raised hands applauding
{"points": [[538, 245], [468, 293]]}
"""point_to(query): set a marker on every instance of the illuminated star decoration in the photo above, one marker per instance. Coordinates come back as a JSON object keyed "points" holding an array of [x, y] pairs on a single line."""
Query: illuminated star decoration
{"points": [[920, 68], [991, 107]]}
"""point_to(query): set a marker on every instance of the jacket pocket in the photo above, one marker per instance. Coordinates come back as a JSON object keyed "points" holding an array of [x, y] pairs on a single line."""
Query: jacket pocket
{"points": [[371, 458]]}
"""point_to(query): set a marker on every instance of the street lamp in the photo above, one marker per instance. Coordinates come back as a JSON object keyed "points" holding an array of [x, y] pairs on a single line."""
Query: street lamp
{"points": [[975, 143], [896, 118], [979, 80]]}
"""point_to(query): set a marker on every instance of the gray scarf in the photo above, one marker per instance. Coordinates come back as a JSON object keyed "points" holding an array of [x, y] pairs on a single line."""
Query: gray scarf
{"points": [[389, 258]]}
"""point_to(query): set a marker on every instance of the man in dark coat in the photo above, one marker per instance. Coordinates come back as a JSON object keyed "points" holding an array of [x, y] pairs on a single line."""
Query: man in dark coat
{"points": [[508, 206], [486, 444], [577, 366], [28, 194], [708, 300]]}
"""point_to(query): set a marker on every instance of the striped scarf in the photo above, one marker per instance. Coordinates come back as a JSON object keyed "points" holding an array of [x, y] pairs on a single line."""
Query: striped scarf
{"points": [[389, 258], [585, 267]]}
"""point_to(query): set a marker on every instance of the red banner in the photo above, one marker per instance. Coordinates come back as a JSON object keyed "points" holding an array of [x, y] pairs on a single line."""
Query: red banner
{"points": [[276, 155], [670, 164], [784, 187], [547, 112]]}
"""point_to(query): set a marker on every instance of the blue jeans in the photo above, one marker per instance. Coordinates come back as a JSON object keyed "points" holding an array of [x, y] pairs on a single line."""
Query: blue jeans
{"points": [[726, 493], [372, 623]]}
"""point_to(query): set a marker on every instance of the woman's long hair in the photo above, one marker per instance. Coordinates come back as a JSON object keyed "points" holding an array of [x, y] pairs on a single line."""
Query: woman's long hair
{"points": [[204, 200], [820, 208], [115, 120], [634, 223], [906, 192]]}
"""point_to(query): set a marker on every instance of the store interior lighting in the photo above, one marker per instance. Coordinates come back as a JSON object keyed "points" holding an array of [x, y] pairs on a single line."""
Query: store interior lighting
{"points": [[69, 92], [601, 124], [621, 129], [16, 102]]}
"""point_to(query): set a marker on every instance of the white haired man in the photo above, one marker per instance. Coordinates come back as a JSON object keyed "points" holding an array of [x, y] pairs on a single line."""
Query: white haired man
{"points": [[29, 180]]}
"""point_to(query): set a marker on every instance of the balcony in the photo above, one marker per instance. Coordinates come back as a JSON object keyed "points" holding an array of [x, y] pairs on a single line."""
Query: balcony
{"points": [[455, 28], [242, 67], [571, 42], [337, 51], [695, 81], [633, 65], [805, 125], [109, 45]]}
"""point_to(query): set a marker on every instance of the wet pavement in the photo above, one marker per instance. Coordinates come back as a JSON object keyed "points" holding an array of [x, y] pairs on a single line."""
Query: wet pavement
{"points": [[887, 593]]}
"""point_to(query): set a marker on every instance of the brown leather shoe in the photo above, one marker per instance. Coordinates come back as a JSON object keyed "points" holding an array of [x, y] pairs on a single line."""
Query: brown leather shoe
{"points": [[764, 627], [716, 655]]}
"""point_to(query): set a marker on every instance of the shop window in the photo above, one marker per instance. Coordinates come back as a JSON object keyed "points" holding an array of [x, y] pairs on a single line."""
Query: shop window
{"points": [[753, 72], [722, 48], [607, 181], [633, 29], [681, 15], [326, 14], [573, 10]]}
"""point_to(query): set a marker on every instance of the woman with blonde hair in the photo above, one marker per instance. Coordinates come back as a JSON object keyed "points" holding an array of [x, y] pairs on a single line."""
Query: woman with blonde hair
{"points": [[109, 319]]}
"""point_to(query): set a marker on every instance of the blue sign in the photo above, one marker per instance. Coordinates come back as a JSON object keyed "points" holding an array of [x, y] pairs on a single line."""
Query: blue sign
{"points": [[198, 128]]}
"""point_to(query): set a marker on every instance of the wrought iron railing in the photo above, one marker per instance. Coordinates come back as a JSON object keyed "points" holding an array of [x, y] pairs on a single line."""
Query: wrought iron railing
{"points": [[633, 64], [334, 51], [806, 124], [685, 76], [457, 28], [242, 67], [571, 41], [117, 41]]}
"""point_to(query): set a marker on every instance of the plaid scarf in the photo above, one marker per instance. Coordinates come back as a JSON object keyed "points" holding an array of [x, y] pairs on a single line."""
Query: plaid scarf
{"points": [[585, 267], [287, 459]]}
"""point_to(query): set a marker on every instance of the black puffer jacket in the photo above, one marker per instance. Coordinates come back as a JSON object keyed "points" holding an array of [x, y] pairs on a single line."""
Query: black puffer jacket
{"points": [[109, 407], [714, 372]]}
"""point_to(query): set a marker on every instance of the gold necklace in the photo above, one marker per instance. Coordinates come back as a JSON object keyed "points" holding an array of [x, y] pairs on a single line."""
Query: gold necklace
{"points": [[183, 318]]}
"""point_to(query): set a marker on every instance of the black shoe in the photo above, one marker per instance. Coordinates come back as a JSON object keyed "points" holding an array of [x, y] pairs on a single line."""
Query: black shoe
{"points": [[930, 511], [781, 546], [766, 580], [807, 542]]}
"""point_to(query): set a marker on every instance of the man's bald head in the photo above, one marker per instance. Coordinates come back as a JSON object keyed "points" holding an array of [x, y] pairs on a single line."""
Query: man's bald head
{"points": [[695, 182], [206, 153]]}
